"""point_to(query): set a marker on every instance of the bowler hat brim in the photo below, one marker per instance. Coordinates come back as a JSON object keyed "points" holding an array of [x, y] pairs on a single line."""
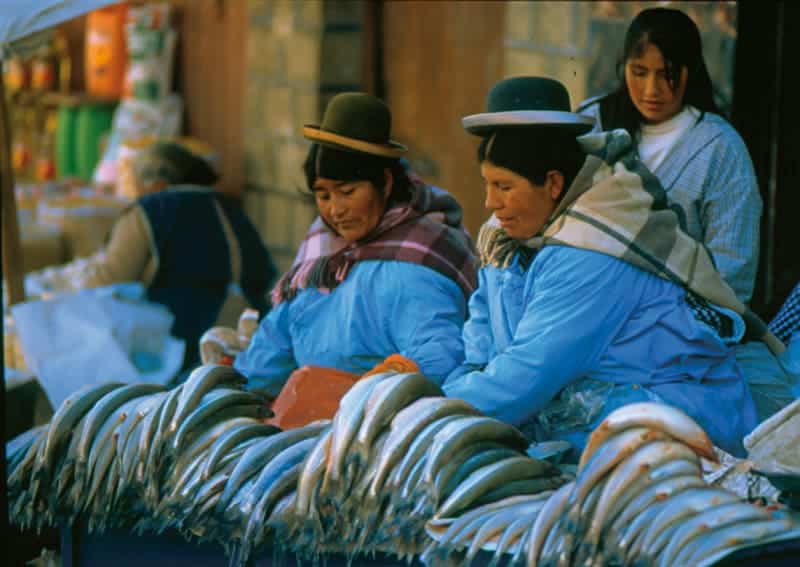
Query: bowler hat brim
{"points": [[389, 150], [487, 122]]}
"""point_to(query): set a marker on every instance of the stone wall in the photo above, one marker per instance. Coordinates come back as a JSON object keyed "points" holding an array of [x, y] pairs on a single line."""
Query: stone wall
{"points": [[299, 53], [551, 39], [281, 94]]}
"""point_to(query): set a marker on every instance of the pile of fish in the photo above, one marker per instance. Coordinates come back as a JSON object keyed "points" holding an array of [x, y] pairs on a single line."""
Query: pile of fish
{"points": [[398, 451], [199, 459], [638, 499], [400, 469], [120, 448]]}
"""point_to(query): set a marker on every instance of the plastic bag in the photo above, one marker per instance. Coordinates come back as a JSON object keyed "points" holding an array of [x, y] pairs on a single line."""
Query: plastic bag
{"points": [[580, 407], [772, 451], [95, 336], [311, 393]]}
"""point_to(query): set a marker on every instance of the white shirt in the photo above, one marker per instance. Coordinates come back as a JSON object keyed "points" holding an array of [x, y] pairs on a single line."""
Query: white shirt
{"points": [[657, 140]]}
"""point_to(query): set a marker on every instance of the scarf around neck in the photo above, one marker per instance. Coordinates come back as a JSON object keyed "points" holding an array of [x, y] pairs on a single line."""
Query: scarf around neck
{"points": [[426, 231], [616, 206]]}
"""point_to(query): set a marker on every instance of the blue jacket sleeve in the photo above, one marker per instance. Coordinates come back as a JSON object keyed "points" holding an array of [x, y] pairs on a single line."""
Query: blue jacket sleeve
{"points": [[269, 360], [580, 300], [425, 322], [477, 332]]}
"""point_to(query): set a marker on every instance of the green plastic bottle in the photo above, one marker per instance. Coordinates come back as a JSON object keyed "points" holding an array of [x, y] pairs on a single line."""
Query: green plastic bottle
{"points": [[66, 165], [92, 124]]}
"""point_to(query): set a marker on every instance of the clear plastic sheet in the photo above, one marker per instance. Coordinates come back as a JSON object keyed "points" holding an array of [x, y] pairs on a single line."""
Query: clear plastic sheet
{"points": [[580, 407]]}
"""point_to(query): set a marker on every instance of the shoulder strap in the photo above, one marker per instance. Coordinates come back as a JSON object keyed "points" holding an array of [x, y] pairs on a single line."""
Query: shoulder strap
{"points": [[233, 243]]}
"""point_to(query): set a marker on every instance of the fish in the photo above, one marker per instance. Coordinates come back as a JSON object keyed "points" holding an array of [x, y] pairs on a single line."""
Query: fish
{"points": [[457, 435], [551, 512], [405, 427], [665, 549], [661, 417], [489, 477], [730, 536], [382, 405], [646, 458]]}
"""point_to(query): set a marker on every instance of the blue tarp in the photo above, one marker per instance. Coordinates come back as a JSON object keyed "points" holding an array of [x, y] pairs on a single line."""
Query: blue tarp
{"points": [[20, 19]]}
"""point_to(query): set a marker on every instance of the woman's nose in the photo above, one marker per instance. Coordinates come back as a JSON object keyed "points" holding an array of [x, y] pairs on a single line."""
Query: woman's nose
{"points": [[651, 86], [338, 206], [492, 201]]}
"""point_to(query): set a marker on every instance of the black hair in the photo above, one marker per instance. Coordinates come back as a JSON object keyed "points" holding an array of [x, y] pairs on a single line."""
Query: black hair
{"points": [[533, 151], [677, 37], [343, 165]]}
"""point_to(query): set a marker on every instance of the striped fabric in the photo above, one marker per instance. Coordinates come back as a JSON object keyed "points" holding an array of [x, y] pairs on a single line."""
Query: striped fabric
{"points": [[710, 176], [787, 321], [427, 231], [617, 206]]}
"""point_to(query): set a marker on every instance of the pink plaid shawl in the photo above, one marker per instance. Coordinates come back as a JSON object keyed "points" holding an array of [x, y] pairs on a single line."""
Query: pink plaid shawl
{"points": [[427, 231]]}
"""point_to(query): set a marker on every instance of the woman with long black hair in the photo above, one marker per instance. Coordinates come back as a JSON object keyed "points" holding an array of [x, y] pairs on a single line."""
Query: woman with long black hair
{"points": [[665, 101]]}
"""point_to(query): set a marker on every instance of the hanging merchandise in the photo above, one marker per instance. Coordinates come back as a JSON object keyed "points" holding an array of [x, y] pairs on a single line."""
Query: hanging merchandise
{"points": [[148, 109], [106, 51], [151, 46], [134, 120]]}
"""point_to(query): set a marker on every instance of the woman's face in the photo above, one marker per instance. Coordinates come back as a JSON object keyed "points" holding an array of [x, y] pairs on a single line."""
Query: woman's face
{"points": [[521, 206], [649, 89], [352, 208]]}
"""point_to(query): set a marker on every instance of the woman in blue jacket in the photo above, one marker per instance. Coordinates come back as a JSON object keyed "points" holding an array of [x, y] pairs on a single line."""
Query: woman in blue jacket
{"points": [[590, 296], [386, 267]]}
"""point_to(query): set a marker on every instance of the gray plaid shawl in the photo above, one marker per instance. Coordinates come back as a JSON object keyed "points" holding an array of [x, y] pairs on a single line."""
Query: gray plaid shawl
{"points": [[618, 207]]}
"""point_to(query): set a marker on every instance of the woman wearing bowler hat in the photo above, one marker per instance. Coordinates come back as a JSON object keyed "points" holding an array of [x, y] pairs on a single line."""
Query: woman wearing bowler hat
{"points": [[590, 295], [385, 269]]}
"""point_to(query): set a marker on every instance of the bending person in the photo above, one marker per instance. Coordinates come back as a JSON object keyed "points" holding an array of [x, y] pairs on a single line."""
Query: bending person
{"points": [[192, 247], [579, 290], [665, 102], [386, 267]]}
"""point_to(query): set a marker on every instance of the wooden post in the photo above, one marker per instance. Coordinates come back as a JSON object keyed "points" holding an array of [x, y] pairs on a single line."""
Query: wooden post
{"points": [[12, 253]]}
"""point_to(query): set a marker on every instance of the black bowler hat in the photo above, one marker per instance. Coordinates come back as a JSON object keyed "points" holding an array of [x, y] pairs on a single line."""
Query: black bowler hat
{"points": [[356, 122], [528, 102]]}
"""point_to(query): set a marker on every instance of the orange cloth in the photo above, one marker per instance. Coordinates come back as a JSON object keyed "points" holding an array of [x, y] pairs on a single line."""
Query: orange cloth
{"points": [[314, 392], [311, 393], [394, 363]]}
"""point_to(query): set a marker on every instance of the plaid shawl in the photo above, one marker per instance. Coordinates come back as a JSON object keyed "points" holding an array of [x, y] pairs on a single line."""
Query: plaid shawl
{"points": [[618, 207], [427, 231]]}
